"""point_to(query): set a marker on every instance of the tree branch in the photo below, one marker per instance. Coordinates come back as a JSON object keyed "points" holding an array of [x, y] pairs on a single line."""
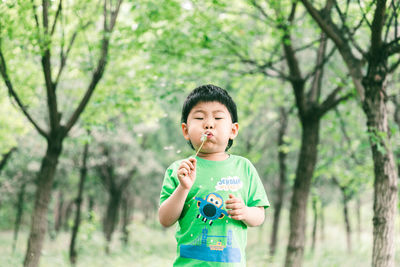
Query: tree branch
{"points": [[262, 11], [35, 15], [296, 78], [325, 23], [315, 90], [377, 28], [323, 62], [56, 17], [331, 101], [333, 32], [37, 23], [6, 157], [394, 66], [11, 91], [46, 65], [363, 13], [390, 20], [393, 47], [98, 73], [64, 55], [346, 137]]}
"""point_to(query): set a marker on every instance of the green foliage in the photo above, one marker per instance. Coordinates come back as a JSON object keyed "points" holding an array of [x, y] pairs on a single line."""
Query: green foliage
{"points": [[160, 51]]}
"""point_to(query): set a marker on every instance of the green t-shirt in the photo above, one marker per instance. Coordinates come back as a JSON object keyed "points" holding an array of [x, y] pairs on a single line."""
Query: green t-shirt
{"points": [[206, 236]]}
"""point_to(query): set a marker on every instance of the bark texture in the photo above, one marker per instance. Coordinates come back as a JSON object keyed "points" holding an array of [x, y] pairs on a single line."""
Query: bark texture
{"points": [[18, 216], [42, 198], [305, 169]]}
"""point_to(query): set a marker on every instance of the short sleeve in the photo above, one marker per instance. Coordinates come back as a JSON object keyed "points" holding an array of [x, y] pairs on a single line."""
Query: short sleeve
{"points": [[170, 183], [257, 197]]}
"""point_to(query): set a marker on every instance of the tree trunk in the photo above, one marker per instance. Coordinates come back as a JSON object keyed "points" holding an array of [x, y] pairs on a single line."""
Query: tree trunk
{"points": [[322, 222], [75, 229], [345, 202], [358, 212], [126, 216], [302, 184], [282, 179], [90, 207], [43, 193], [346, 220], [111, 218], [314, 229], [59, 212], [67, 214], [385, 184], [18, 217]]}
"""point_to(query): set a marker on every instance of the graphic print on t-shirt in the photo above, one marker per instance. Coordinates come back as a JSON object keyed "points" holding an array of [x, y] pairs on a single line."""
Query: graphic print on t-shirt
{"points": [[229, 184], [211, 208], [217, 248]]}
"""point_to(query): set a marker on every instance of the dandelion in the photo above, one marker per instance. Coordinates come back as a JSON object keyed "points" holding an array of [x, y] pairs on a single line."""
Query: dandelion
{"points": [[203, 139]]}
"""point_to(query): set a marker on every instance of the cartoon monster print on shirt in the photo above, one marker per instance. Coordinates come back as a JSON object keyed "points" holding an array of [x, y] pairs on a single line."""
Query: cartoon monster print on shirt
{"points": [[211, 207]]}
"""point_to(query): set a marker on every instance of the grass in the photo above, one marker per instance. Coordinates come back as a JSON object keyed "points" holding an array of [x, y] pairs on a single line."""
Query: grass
{"points": [[150, 245]]}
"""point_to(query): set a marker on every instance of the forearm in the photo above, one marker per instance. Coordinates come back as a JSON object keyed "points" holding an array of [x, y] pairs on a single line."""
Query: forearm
{"points": [[255, 216], [171, 209]]}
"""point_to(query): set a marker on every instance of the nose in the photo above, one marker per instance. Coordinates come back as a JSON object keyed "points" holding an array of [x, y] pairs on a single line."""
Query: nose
{"points": [[208, 124]]}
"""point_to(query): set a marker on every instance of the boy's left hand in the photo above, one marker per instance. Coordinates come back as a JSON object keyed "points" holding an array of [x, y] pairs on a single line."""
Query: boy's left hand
{"points": [[237, 209]]}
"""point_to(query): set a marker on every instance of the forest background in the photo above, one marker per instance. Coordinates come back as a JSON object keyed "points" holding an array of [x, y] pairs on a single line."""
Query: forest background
{"points": [[90, 100]]}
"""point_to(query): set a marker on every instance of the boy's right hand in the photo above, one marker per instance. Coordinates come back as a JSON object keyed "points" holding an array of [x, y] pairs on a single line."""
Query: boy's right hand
{"points": [[187, 173]]}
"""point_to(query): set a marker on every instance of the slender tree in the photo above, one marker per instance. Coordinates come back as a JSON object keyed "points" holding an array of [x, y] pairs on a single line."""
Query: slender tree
{"points": [[56, 131], [314, 202], [310, 112], [127, 209], [369, 69], [282, 155], [78, 203], [346, 195], [59, 212], [115, 185]]}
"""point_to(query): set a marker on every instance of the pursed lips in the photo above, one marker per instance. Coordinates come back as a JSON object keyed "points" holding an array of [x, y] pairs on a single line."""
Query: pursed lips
{"points": [[209, 134]]}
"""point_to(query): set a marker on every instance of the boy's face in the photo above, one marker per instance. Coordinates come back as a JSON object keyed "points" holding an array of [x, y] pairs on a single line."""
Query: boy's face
{"points": [[213, 119]]}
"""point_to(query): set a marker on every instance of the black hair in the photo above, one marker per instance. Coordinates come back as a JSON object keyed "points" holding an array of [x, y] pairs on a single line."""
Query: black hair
{"points": [[209, 93]]}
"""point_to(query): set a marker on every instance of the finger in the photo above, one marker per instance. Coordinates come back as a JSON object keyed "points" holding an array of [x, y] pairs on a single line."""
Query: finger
{"points": [[234, 206], [193, 161], [188, 165], [232, 201], [235, 212], [183, 172], [237, 217]]}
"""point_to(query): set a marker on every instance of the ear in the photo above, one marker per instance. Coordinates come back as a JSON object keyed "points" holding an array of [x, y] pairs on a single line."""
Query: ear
{"points": [[185, 131], [235, 130]]}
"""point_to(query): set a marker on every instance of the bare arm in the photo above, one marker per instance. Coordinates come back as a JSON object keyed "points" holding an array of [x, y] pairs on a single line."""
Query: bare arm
{"points": [[171, 209], [251, 216]]}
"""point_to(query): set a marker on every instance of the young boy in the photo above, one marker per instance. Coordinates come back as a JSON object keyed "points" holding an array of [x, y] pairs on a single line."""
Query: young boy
{"points": [[214, 196]]}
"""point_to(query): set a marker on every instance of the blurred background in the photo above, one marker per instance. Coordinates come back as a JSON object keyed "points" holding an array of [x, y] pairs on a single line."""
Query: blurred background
{"points": [[90, 100]]}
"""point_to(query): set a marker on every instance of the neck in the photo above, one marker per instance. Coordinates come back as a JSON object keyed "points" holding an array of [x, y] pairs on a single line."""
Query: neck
{"points": [[219, 156]]}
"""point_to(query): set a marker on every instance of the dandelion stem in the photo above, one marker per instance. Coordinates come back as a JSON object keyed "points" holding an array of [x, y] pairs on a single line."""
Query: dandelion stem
{"points": [[198, 150], [203, 138]]}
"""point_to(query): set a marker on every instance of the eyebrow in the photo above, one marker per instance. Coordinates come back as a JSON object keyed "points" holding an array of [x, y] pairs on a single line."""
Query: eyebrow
{"points": [[203, 111]]}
